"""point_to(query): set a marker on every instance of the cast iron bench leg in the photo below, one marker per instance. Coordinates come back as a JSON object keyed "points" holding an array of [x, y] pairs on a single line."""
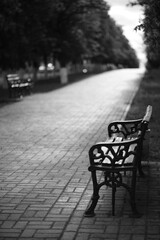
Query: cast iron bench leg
{"points": [[90, 210], [136, 214], [113, 199]]}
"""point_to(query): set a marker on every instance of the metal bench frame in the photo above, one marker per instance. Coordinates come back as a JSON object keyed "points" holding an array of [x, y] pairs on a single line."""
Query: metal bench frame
{"points": [[116, 157], [18, 87]]}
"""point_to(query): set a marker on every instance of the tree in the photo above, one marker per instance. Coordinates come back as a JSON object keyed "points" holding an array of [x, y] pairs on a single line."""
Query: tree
{"points": [[85, 29], [115, 47], [75, 25], [70, 30], [151, 28], [123, 53], [23, 32], [9, 10]]}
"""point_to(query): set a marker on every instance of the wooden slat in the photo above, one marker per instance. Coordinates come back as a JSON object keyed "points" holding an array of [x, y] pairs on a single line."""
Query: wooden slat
{"points": [[148, 114]]}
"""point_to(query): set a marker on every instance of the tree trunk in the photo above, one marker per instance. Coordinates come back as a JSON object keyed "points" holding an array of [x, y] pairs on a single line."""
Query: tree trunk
{"points": [[4, 82], [63, 75], [45, 73]]}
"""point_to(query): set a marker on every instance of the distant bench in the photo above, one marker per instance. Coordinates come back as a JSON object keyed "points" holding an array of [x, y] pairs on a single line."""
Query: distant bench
{"points": [[117, 156], [17, 86]]}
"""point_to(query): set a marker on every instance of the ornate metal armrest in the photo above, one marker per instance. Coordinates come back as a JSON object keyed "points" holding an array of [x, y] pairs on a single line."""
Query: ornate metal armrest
{"points": [[125, 128], [113, 159], [113, 154]]}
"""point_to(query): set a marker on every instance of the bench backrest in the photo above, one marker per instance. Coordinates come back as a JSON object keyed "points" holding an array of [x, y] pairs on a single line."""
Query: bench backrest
{"points": [[114, 154], [123, 152], [13, 79], [130, 128]]}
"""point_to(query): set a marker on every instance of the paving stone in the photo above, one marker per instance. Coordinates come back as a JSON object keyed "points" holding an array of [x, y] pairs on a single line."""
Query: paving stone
{"points": [[44, 180], [28, 233]]}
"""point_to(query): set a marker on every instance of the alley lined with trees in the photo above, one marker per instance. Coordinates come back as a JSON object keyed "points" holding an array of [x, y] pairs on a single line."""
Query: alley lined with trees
{"points": [[65, 30]]}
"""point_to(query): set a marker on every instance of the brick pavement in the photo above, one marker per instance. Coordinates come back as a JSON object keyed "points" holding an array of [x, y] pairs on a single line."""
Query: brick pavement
{"points": [[45, 186]]}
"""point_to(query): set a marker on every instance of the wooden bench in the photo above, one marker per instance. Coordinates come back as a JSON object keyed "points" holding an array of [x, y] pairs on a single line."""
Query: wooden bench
{"points": [[18, 87], [121, 153]]}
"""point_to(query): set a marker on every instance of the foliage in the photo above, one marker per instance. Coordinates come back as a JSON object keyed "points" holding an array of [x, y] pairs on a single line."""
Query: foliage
{"points": [[8, 27], [77, 29], [22, 28], [85, 30], [70, 30], [118, 47], [151, 28]]}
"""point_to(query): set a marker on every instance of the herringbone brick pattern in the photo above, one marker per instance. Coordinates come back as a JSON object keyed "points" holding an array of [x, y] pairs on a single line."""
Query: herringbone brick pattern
{"points": [[45, 186]]}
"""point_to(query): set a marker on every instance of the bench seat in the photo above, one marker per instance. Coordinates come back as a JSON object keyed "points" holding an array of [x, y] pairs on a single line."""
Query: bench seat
{"points": [[109, 155], [119, 154], [17, 86]]}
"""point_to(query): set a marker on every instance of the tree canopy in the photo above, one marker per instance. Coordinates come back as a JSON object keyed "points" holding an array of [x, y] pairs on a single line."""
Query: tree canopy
{"points": [[151, 27], [69, 30]]}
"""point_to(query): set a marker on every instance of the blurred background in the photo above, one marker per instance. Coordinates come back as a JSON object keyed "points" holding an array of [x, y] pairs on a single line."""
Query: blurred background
{"points": [[52, 39]]}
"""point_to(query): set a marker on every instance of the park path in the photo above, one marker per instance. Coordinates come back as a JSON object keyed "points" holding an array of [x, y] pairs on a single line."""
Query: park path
{"points": [[45, 186]]}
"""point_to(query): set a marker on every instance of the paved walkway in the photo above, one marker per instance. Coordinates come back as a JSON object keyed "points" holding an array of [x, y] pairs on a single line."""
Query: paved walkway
{"points": [[45, 186]]}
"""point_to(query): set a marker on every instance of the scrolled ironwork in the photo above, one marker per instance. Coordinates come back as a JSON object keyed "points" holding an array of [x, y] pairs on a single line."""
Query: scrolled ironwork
{"points": [[113, 154], [120, 154], [124, 128], [113, 179]]}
